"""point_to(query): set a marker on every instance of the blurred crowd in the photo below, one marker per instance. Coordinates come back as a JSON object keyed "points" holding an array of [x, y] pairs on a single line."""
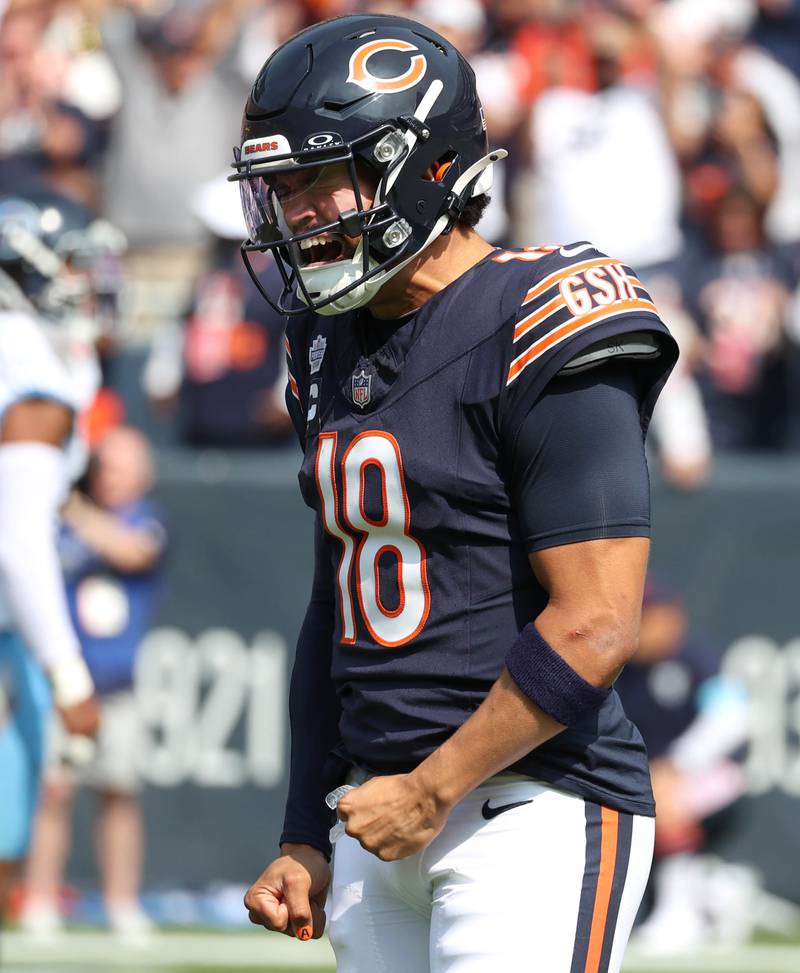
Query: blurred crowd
{"points": [[667, 132]]}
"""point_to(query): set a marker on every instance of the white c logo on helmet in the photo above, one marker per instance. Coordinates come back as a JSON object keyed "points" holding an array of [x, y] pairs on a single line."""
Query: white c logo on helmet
{"points": [[360, 74]]}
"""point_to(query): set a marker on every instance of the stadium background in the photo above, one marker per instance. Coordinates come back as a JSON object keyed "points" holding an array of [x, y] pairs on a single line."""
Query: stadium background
{"points": [[131, 109]]}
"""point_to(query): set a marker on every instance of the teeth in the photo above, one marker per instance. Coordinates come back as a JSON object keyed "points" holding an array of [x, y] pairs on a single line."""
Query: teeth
{"points": [[312, 242]]}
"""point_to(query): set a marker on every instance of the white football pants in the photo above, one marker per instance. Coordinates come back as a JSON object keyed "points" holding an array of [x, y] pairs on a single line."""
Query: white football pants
{"points": [[551, 885]]}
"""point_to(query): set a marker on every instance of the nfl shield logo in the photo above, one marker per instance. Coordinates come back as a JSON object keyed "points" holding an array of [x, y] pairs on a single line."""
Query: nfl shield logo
{"points": [[361, 388], [316, 353]]}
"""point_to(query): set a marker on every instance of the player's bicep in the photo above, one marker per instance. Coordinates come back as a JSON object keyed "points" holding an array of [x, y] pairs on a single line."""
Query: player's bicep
{"points": [[607, 574], [581, 494], [38, 420]]}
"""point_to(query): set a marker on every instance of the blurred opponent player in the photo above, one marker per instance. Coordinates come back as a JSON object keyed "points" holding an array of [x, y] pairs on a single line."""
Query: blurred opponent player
{"points": [[39, 398], [473, 422]]}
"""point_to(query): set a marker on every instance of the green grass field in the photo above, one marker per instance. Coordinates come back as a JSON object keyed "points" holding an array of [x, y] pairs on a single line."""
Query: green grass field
{"points": [[255, 952]]}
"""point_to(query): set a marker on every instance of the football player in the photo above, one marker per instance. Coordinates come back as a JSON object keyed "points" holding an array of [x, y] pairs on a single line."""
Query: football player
{"points": [[473, 423], [40, 655]]}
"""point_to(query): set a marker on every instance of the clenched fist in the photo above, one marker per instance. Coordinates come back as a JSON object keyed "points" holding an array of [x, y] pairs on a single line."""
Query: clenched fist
{"points": [[289, 895]]}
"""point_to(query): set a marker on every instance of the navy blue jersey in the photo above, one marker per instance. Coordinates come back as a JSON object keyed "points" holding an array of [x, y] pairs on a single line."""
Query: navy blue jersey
{"points": [[408, 462]]}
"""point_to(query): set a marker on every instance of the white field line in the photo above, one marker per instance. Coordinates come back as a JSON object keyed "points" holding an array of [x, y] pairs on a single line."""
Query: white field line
{"points": [[231, 950]]}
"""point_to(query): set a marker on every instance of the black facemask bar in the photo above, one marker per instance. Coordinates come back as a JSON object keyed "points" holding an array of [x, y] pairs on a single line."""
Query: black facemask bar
{"points": [[363, 223]]}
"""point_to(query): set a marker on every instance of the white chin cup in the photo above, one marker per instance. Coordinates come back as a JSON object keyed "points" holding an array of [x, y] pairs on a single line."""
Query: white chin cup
{"points": [[321, 282]]}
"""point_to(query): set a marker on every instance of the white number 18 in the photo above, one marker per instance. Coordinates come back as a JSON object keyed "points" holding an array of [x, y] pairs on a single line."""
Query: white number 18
{"points": [[364, 540]]}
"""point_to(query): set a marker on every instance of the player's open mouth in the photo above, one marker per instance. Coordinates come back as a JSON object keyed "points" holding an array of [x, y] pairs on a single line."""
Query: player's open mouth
{"points": [[323, 249]]}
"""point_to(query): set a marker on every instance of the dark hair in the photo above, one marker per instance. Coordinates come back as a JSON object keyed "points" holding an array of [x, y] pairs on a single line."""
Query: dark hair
{"points": [[473, 211]]}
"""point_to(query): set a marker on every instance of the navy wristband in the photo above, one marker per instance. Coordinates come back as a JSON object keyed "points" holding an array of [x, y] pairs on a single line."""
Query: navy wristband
{"points": [[549, 681]]}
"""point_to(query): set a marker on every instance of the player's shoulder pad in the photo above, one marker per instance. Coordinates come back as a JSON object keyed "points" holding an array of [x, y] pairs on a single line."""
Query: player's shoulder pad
{"points": [[578, 298]]}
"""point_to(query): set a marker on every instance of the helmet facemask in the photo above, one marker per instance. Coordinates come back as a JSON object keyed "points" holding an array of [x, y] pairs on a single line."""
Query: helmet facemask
{"points": [[338, 264]]}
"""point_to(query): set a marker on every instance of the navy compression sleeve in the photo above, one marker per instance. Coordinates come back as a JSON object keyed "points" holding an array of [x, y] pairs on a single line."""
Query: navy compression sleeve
{"points": [[578, 467], [313, 712]]}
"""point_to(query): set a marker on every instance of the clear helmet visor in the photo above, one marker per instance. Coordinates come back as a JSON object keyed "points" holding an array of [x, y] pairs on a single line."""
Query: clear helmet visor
{"points": [[282, 203]]}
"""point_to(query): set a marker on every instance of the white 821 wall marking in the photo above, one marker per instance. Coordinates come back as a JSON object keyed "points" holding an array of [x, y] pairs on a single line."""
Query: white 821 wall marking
{"points": [[359, 564], [212, 707]]}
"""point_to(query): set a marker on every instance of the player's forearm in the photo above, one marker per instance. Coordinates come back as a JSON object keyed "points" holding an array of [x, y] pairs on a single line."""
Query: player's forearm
{"points": [[505, 727], [508, 724]]}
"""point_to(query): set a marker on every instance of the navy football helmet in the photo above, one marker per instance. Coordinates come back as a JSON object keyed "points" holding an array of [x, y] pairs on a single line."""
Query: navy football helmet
{"points": [[362, 95], [55, 255]]}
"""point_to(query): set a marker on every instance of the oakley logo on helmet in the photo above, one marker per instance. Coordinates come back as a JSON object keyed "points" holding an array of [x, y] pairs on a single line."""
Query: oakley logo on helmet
{"points": [[264, 147], [323, 140], [360, 74]]}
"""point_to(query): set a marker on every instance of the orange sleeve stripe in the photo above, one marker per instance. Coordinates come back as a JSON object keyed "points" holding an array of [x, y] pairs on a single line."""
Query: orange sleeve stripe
{"points": [[293, 387], [602, 898], [556, 276], [287, 346], [525, 325], [571, 327]]}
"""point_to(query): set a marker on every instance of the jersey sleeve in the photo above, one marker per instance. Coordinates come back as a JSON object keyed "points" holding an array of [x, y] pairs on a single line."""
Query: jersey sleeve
{"points": [[578, 470], [582, 307], [29, 367], [314, 712]]}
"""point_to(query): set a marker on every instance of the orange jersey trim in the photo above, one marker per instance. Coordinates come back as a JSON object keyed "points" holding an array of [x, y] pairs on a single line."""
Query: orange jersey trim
{"points": [[571, 327], [536, 317]]}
